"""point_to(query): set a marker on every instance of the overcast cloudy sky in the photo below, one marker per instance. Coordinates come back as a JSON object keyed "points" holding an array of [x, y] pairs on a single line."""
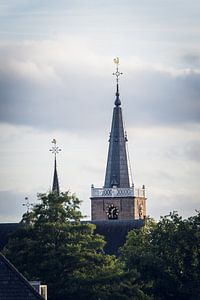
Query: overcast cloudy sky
{"points": [[56, 64]]}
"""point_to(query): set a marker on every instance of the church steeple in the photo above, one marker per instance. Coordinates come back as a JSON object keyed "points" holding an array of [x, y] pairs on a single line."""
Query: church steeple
{"points": [[55, 150], [118, 199], [117, 170]]}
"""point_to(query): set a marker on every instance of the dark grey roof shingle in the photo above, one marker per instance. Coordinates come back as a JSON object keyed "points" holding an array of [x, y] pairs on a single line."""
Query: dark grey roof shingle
{"points": [[13, 285], [115, 232]]}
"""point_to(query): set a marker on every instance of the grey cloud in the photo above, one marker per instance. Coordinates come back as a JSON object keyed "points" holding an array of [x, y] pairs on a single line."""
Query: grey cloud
{"points": [[192, 59], [189, 151], [161, 99], [192, 151], [161, 204], [62, 95]]}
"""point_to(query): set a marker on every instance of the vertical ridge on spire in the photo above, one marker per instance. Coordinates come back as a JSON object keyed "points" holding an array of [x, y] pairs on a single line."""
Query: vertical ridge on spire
{"points": [[117, 169], [55, 187]]}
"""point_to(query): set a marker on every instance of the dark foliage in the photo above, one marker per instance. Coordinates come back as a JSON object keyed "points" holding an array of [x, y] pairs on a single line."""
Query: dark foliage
{"points": [[54, 247], [167, 257]]}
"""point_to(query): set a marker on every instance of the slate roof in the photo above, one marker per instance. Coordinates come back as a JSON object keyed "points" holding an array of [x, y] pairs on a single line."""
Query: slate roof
{"points": [[117, 170], [13, 285], [114, 231]]}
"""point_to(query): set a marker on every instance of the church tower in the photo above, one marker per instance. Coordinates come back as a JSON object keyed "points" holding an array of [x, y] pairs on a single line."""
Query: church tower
{"points": [[118, 199]]}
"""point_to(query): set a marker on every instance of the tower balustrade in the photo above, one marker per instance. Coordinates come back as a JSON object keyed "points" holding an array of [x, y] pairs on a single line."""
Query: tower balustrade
{"points": [[117, 192]]}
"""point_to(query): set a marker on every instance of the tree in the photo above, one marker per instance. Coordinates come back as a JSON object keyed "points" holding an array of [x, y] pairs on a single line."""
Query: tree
{"points": [[167, 257], [53, 246]]}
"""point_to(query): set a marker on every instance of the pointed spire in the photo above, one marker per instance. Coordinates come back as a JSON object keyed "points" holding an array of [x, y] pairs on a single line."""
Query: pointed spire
{"points": [[55, 187], [55, 150], [117, 171]]}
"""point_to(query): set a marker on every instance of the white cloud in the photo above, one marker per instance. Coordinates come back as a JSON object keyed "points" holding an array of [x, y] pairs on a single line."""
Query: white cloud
{"points": [[70, 86]]}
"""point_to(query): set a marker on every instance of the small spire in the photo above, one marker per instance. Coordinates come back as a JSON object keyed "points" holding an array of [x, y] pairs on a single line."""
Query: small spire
{"points": [[55, 150], [117, 74]]}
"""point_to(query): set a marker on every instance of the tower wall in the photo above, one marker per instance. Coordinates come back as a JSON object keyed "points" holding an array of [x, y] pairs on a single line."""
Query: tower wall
{"points": [[130, 208], [139, 210]]}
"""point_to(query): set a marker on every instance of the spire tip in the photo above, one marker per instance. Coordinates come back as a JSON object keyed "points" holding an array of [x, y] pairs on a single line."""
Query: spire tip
{"points": [[117, 74]]}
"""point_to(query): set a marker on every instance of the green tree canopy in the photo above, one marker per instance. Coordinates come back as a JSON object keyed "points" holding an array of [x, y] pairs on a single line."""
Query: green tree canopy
{"points": [[53, 246], [167, 257]]}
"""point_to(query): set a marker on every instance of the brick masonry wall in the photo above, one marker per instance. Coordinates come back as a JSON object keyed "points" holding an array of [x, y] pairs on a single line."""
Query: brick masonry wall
{"points": [[129, 207], [139, 208]]}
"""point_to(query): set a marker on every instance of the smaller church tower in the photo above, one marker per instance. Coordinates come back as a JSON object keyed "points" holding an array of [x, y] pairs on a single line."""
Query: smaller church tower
{"points": [[55, 186], [118, 199]]}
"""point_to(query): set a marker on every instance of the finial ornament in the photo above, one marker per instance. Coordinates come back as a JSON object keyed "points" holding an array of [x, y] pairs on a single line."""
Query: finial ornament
{"points": [[116, 60], [55, 149], [117, 73]]}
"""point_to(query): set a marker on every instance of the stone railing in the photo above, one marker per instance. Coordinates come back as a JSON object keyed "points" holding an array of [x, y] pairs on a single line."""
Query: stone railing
{"points": [[116, 192]]}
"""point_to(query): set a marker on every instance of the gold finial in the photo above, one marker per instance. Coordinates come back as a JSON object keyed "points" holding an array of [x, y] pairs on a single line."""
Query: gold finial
{"points": [[117, 73], [116, 60]]}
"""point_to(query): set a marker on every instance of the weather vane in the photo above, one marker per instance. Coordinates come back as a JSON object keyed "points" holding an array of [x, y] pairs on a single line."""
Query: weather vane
{"points": [[55, 149], [27, 204], [117, 73]]}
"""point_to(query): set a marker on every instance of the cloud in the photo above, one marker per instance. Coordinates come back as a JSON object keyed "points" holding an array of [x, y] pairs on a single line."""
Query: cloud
{"points": [[192, 151], [63, 83], [192, 59], [161, 98], [185, 150], [44, 86], [162, 204]]}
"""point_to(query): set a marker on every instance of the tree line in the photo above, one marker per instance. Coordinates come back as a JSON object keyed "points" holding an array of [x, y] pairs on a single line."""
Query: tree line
{"points": [[158, 261]]}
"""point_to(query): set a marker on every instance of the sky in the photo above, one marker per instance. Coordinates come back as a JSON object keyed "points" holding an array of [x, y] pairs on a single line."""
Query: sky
{"points": [[56, 65]]}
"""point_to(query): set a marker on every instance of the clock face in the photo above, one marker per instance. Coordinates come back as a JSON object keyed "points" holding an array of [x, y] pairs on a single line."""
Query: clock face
{"points": [[112, 212]]}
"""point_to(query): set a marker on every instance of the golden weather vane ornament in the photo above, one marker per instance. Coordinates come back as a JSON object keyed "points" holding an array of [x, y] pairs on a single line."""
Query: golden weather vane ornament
{"points": [[116, 60], [117, 73]]}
